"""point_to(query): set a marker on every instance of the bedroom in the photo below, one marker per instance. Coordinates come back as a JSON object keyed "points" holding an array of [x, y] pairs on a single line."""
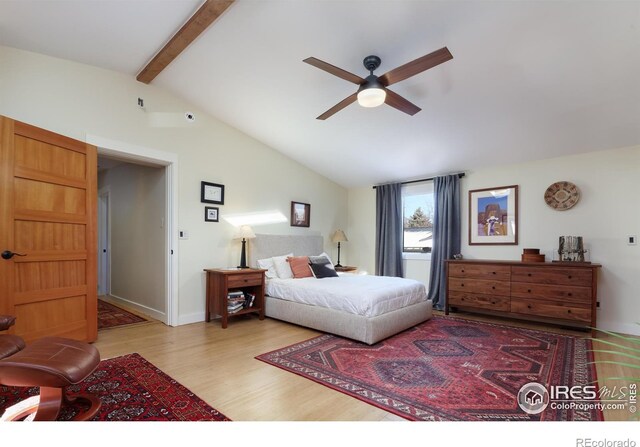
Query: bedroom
{"points": [[599, 152]]}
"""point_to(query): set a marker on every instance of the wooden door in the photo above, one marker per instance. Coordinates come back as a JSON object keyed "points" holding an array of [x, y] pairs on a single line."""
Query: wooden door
{"points": [[48, 214]]}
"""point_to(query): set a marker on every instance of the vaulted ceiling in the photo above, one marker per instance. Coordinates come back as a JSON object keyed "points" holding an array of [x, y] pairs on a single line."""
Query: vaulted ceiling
{"points": [[528, 79]]}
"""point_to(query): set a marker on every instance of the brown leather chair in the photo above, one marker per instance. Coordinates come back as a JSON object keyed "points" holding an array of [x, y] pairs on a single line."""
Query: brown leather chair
{"points": [[51, 363]]}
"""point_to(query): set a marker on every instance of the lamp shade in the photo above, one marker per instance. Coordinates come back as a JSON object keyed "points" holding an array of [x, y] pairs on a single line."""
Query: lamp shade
{"points": [[245, 232], [371, 97], [339, 236]]}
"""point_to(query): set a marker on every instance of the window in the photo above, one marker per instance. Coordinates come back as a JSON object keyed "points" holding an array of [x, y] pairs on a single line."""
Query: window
{"points": [[417, 217]]}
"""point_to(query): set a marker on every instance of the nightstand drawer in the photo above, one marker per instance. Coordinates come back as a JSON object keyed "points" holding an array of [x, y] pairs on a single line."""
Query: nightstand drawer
{"points": [[244, 279]]}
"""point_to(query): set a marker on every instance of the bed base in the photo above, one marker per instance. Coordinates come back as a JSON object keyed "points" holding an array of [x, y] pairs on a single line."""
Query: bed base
{"points": [[368, 330]]}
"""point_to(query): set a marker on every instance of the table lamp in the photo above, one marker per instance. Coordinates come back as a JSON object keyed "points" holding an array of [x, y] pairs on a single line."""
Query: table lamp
{"points": [[338, 237], [244, 232]]}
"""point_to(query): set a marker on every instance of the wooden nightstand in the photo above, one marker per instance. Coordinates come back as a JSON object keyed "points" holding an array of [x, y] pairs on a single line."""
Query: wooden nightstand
{"points": [[222, 282], [347, 268]]}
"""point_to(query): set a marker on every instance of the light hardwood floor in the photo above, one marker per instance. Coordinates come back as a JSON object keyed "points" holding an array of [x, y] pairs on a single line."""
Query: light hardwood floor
{"points": [[219, 366]]}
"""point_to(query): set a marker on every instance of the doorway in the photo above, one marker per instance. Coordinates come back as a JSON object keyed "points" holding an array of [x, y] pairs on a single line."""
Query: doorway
{"points": [[167, 162]]}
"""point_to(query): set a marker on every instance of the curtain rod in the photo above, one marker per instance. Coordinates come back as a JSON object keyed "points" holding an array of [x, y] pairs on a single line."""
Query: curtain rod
{"points": [[460, 175]]}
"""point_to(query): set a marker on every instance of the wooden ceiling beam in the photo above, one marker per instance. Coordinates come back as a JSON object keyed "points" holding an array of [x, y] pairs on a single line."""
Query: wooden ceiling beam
{"points": [[200, 21]]}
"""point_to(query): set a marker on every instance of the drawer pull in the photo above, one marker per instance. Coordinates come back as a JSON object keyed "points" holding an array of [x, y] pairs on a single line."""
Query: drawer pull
{"points": [[569, 276], [462, 271], [528, 274], [529, 290], [569, 311], [493, 287], [493, 302], [461, 299], [462, 285], [493, 273], [529, 306], [569, 294]]}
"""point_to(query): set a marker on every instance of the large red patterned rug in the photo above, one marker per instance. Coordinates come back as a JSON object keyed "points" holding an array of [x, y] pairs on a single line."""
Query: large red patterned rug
{"points": [[447, 369], [131, 389], [112, 316]]}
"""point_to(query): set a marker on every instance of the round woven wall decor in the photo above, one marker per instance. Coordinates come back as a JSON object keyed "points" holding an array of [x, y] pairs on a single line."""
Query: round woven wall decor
{"points": [[562, 195]]}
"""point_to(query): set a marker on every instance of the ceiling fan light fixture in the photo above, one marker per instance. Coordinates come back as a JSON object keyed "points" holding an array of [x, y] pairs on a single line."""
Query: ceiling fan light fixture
{"points": [[371, 93], [371, 97]]}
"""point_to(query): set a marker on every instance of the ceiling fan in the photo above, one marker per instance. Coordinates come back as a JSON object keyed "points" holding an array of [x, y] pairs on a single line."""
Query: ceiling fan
{"points": [[373, 89]]}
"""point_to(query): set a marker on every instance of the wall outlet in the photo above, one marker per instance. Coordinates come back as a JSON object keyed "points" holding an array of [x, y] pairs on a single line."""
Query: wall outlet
{"points": [[183, 234], [632, 240]]}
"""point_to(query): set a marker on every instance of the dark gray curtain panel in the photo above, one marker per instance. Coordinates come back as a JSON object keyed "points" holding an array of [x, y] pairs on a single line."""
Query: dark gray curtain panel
{"points": [[446, 234], [389, 230]]}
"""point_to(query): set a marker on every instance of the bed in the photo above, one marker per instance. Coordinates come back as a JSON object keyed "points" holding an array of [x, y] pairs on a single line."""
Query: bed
{"points": [[391, 306]]}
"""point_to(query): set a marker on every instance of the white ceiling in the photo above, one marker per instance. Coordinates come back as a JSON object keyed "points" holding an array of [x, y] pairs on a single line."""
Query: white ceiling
{"points": [[529, 80]]}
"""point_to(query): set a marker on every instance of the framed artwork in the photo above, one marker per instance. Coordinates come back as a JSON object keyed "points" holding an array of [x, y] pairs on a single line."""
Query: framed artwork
{"points": [[210, 214], [493, 216], [300, 214], [211, 193]]}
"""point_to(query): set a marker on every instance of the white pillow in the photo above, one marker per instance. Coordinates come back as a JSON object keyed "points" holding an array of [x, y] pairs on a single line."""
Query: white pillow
{"points": [[283, 269], [269, 266]]}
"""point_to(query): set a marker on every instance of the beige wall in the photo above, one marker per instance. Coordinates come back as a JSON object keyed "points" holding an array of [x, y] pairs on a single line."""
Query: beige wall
{"points": [[137, 197], [607, 213], [75, 100]]}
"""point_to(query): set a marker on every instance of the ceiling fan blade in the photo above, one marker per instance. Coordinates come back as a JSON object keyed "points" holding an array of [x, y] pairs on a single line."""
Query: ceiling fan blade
{"points": [[398, 102], [339, 72], [416, 66], [341, 105]]}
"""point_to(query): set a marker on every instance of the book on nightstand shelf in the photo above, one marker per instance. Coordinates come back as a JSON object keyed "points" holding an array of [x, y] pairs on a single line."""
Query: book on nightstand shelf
{"points": [[238, 300]]}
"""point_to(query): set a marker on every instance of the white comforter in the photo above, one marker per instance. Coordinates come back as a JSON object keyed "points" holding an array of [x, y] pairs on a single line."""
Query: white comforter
{"points": [[365, 295]]}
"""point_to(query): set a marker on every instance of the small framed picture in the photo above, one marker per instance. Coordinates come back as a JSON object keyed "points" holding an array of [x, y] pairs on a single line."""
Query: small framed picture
{"points": [[211, 193], [493, 216], [300, 214], [210, 214]]}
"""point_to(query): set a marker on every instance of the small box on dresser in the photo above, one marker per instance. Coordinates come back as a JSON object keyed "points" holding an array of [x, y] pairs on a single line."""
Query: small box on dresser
{"points": [[562, 293]]}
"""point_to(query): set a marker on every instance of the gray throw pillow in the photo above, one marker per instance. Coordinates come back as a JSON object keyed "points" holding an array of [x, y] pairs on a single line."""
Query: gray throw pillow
{"points": [[322, 267]]}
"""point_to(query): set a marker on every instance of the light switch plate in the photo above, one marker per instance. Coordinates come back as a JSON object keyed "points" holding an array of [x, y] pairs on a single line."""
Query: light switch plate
{"points": [[632, 240], [183, 234]]}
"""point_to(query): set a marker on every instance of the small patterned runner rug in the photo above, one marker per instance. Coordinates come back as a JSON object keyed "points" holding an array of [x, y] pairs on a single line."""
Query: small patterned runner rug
{"points": [[448, 369], [111, 316]]}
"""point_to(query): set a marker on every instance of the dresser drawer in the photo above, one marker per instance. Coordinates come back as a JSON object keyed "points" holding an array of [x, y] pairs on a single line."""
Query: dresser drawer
{"points": [[552, 275], [545, 292], [546, 309], [480, 271], [501, 303], [241, 280], [479, 286]]}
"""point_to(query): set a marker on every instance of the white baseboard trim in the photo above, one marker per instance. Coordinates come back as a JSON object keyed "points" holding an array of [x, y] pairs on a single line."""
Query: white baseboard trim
{"points": [[197, 317], [153, 313], [623, 328]]}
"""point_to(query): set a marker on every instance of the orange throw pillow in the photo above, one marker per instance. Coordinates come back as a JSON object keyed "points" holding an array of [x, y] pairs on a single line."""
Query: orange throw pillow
{"points": [[300, 266]]}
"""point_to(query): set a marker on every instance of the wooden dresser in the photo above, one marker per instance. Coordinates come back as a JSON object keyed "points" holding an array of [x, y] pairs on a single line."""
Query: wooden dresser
{"points": [[558, 292]]}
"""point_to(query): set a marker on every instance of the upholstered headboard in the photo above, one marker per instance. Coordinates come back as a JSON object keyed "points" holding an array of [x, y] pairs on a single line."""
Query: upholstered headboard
{"points": [[269, 245]]}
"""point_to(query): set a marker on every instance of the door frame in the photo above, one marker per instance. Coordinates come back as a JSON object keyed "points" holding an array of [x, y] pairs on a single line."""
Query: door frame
{"points": [[133, 153], [104, 240]]}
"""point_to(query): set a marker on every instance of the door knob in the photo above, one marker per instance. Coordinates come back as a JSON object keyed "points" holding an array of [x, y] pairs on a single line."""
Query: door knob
{"points": [[8, 254]]}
